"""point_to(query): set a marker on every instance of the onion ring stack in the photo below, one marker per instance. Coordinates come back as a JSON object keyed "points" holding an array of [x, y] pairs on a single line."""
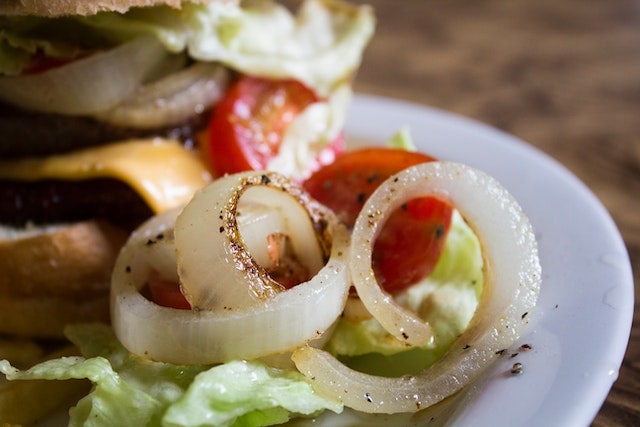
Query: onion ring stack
{"points": [[240, 312], [248, 316]]}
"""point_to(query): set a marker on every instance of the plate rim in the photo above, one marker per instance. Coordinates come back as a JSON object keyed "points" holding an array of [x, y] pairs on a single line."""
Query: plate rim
{"points": [[597, 387]]}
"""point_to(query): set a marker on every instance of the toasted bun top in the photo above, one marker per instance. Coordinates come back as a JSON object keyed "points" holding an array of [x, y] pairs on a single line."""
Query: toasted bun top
{"points": [[53, 8]]}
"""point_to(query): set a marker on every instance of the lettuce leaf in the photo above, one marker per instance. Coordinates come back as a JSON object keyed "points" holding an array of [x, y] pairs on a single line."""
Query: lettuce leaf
{"points": [[402, 140], [133, 391], [244, 393], [321, 45]]}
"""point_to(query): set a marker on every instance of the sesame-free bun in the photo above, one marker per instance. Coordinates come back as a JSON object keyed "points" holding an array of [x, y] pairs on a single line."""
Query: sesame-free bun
{"points": [[54, 8], [54, 276]]}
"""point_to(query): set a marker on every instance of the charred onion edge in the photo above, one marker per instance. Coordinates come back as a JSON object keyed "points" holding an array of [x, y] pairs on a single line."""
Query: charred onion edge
{"points": [[512, 284], [212, 215], [279, 324]]}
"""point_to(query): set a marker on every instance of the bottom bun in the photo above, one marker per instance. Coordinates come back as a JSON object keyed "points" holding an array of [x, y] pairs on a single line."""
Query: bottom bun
{"points": [[47, 317], [55, 276]]}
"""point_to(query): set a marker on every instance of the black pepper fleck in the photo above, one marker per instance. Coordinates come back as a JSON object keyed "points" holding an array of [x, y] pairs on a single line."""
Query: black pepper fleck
{"points": [[372, 178]]}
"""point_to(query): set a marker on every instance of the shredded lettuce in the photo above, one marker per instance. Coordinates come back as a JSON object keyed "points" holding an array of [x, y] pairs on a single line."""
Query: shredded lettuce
{"points": [[321, 45]]}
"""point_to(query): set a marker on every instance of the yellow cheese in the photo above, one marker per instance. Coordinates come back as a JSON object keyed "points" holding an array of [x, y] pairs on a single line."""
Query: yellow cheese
{"points": [[162, 172]]}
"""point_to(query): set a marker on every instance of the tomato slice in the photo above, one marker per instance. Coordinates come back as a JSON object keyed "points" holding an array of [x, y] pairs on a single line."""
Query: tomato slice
{"points": [[411, 241], [248, 124], [166, 293]]}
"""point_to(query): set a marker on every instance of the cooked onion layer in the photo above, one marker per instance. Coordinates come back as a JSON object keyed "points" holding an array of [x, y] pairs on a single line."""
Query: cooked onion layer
{"points": [[512, 282], [210, 247], [173, 99], [219, 330], [88, 85]]}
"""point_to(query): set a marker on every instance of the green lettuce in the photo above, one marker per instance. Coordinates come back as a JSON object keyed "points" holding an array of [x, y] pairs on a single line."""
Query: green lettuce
{"points": [[402, 140], [133, 391], [244, 393], [447, 299], [321, 45]]}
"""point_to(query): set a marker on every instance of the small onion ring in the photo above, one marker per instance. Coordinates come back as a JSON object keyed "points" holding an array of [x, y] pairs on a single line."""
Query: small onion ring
{"points": [[279, 324], [513, 276], [173, 99], [224, 256], [88, 85]]}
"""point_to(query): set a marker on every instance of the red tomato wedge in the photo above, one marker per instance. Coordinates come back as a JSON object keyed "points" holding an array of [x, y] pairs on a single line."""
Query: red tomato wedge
{"points": [[248, 124], [411, 241]]}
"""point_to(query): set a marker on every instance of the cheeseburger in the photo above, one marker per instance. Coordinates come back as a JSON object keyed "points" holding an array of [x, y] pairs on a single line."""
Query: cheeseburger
{"points": [[112, 111]]}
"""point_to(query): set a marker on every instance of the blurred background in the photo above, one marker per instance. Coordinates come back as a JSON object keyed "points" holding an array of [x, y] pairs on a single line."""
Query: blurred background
{"points": [[563, 76]]}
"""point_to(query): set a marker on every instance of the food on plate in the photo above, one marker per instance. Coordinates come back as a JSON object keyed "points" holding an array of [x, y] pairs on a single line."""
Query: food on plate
{"points": [[21, 402], [512, 278], [266, 274], [107, 112], [285, 317], [111, 112], [412, 235]]}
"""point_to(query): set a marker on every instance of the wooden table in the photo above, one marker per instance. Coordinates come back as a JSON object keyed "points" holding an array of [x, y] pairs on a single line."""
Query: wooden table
{"points": [[562, 75]]}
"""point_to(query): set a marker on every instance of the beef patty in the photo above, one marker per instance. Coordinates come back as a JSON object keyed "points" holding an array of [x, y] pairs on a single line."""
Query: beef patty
{"points": [[27, 134]]}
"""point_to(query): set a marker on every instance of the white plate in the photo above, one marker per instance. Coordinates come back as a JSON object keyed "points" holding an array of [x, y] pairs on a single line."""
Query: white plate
{"points": [[583, 320], [580, 330]]}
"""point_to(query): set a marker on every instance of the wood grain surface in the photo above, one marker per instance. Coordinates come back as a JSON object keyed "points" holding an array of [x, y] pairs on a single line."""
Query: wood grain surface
{"points": [[562, 75]]}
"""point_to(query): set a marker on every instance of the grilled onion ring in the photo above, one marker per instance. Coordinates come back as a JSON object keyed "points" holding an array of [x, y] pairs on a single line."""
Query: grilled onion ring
{"points": [[512, 283], [275, 324]]}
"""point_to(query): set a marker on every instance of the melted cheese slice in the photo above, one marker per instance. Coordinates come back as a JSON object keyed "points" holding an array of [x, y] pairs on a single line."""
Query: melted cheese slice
{"points": [[161, 171]]}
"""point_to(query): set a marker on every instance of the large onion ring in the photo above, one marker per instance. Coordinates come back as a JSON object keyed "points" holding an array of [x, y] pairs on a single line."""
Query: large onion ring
{"points": [[513, 276], [88, 85], [278, 324]]}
